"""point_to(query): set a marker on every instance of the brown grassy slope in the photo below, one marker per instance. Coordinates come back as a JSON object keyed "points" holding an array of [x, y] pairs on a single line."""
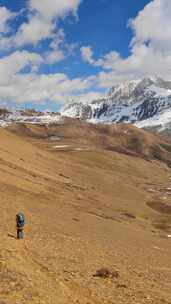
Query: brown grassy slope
{"points": [[122, 138], [85, 210]]}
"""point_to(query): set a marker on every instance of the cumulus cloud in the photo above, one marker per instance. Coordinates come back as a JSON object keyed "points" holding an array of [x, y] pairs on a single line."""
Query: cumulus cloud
{"points": [[34, 31], [152, 25], [20, 81], [31, 32], [150, 53], [11, 65], [19, 87], [85, 97], [50, 9], [150, 48], [5, 17], [42, 21], [106, 61], [87, 54], [41, 24], [55, 53]]}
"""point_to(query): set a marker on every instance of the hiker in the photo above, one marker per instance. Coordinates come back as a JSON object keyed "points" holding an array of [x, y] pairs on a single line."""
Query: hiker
{"points": [[20, 222]]}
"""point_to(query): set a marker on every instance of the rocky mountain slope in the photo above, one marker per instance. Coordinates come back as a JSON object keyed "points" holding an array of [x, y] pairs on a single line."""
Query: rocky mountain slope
{"points": [[28, 116], [146, 103]]}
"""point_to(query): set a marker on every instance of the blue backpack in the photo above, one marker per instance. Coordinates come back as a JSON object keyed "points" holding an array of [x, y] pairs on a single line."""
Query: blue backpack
{"points": [[20, 220]]}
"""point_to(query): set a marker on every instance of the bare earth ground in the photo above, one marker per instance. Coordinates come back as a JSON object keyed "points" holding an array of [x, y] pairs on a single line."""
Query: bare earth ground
{"points": [[87, 208]]}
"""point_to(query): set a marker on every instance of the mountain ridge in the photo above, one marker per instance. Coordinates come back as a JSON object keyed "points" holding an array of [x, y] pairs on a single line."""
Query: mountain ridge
{"points": [[131, 101]]}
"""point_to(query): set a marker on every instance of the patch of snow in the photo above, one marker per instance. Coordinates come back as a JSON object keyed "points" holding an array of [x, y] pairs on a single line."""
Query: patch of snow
{"points": [[81, 149], [55, 138], [61, 146], [160, 91], [3, 124], [17, 117], [161, 119]]}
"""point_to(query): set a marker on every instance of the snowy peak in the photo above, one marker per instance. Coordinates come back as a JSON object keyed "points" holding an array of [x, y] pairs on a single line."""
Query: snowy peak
{"points": [[123, 90], [129, 91], [131, 101]]}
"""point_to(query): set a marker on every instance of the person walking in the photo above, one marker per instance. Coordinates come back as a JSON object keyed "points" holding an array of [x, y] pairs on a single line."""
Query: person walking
{"points": [[20, 222]]}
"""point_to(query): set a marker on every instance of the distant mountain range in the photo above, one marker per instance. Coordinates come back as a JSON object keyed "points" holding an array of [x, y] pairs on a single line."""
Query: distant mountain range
{"points": [[28, 116], [145, 103]]}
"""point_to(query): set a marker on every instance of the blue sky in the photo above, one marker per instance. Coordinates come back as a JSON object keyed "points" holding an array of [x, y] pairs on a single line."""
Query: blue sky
{"points": [[53, 51], [103, 25]]}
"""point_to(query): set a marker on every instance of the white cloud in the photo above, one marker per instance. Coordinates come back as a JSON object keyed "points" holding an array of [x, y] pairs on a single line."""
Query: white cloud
{"points": [[87, 54], [50, 9], [36, 30], [41, 24], [23, 87], [29, 33], [56, 54], [86, 97], [143, 62], [20, 81], [153, 24], [150, 54], [5, 17], [150, 48], [16, 62]]}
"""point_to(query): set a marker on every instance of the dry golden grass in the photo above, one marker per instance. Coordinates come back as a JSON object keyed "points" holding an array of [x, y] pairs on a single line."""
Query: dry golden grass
{"points": [[86, 210]]}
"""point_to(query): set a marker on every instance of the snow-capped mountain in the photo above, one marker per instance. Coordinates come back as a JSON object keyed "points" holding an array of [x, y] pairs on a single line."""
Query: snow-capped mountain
{"points": [[145, 102], [29, 116]]}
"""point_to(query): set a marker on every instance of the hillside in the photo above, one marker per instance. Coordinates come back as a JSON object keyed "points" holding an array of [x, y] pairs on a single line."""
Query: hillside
{"points": [[122, 138], [93, 198]]}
